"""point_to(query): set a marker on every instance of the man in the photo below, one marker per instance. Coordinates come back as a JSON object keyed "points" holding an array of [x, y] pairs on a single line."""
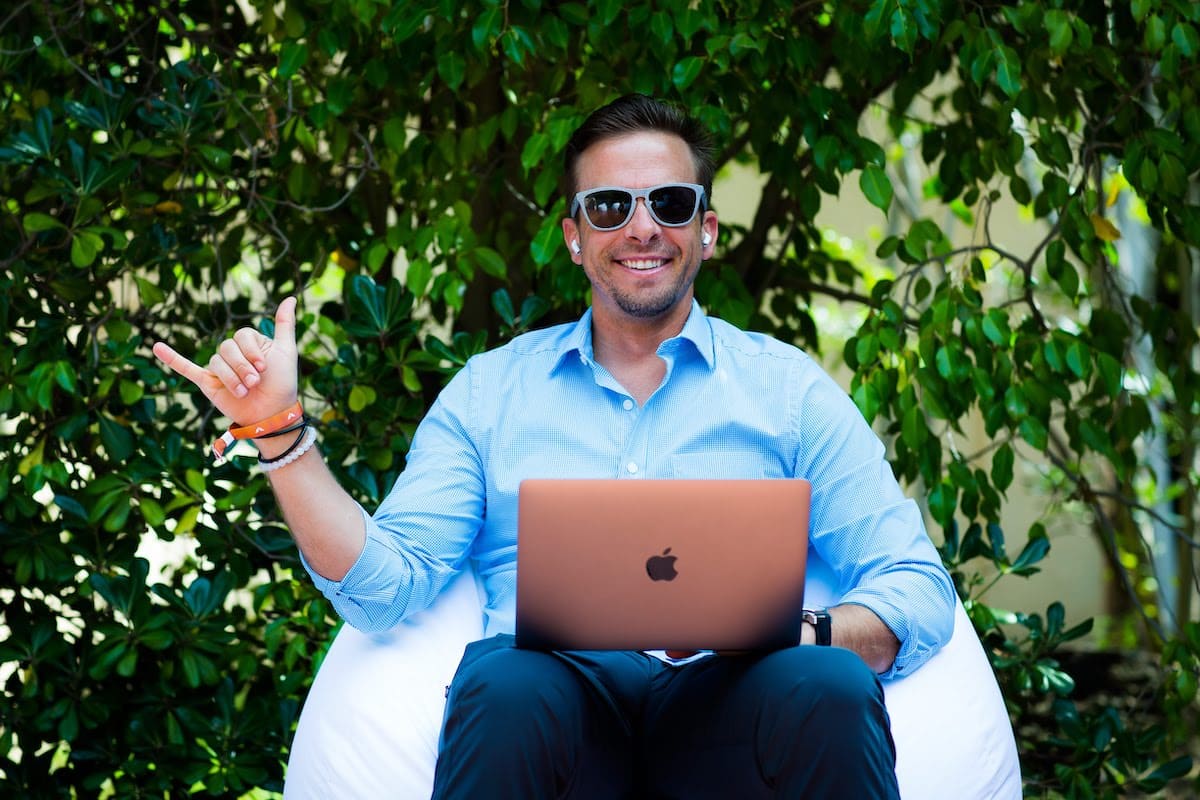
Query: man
{"points": [[643, 386]]}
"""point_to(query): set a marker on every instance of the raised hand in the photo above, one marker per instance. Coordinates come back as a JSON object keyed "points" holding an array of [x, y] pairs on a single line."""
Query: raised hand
{"points": [[251, 376]]}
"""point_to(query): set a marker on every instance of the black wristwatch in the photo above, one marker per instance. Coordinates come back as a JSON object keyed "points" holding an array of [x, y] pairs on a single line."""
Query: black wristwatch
{"points": [[822, 623]]}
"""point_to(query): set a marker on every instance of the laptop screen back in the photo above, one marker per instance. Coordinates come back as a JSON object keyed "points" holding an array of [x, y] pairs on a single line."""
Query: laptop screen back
{"points": [[661, 564]]}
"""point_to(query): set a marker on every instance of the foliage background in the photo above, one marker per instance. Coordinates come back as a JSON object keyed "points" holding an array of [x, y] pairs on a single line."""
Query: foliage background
{"points": [[168, 169]]}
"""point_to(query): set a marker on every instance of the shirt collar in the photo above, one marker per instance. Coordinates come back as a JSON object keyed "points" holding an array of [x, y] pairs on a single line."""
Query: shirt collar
{"points": [[696, 329]]}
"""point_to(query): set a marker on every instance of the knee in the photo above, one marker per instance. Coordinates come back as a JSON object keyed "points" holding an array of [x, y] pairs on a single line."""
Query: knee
{"points": [[844, 679], [831, 683], [833, 713], [523, 682]]}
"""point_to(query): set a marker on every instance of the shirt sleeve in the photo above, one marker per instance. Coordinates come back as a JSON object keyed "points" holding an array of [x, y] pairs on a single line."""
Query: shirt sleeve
{"points": [[870, 534], [422, 532]]}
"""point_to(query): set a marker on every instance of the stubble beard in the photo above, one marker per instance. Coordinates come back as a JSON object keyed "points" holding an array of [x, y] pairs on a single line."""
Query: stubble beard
{"points": [[647, 304]]}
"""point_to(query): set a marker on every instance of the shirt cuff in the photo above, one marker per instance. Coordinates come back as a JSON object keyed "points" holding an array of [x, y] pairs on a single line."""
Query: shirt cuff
{"points": [[368, 597], [916, 645]]}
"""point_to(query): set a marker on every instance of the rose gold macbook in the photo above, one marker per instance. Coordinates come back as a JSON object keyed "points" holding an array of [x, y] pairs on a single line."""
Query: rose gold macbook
{"points": [[661, 564]]}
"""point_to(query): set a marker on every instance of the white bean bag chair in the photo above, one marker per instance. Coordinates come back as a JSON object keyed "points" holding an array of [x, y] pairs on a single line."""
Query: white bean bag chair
{"points": [[370, 725]]}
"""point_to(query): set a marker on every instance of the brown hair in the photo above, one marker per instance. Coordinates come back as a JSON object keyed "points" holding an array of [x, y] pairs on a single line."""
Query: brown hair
{"points": [[634, 113]]}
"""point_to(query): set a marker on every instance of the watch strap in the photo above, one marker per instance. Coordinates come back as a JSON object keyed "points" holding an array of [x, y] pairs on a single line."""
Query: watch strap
{"points": [[822, 624]]}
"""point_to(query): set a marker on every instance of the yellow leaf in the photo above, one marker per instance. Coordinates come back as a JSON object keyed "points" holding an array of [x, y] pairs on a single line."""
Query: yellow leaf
{"points": [[343, 260], [33, 458], [168, 207], [1114, 191], [1104, 229], [361, 397], [187, 521]]}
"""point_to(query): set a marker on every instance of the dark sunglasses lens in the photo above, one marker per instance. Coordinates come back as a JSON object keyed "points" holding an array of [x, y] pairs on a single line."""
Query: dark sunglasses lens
{"points": [[673, 205], [607, 209]]}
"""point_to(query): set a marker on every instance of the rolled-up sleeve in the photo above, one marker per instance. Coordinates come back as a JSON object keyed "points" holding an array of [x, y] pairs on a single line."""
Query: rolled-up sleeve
{"points": [[870, 534], [420, 535]]}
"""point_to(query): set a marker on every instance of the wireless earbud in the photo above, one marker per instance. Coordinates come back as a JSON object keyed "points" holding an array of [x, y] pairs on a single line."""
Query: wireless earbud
{"points": [[706, 240], [575, 248]]}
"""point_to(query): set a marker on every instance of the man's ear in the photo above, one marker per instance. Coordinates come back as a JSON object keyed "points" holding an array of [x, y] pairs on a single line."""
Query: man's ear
{"points": [[708, 230], [570, 230]]}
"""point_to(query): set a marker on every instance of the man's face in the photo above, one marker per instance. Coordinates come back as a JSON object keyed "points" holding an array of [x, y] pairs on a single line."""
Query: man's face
{"points": [[644, 270]]}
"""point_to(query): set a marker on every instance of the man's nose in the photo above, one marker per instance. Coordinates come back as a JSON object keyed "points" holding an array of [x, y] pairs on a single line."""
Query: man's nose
{"points": [[642, 226]]}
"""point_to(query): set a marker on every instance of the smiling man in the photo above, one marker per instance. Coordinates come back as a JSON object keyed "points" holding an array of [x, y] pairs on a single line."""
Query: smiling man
{"points": [[642, 252], [644, 385]]}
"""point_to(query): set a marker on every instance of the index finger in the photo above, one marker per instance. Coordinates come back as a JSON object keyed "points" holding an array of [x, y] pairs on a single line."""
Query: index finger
{"points": [[179, 363]]}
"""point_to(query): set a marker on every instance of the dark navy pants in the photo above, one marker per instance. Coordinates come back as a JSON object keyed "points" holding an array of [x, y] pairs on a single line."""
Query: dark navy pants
{"points": [[805, 722]]}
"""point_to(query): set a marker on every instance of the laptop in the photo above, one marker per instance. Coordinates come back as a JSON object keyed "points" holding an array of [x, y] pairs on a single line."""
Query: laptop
{"points": [[606, 564]]}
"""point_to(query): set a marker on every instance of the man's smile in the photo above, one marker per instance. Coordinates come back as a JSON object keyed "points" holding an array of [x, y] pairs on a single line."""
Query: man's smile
{"points": [[643, 264]]}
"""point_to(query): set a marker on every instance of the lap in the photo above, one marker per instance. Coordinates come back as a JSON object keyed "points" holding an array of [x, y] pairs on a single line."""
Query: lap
{"points": [[534, 724], [748, 726], [745, 680], [717, 724], [716, 686], [506, 674]]}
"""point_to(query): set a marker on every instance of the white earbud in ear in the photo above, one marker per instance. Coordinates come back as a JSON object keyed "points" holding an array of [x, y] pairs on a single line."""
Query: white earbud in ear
{"points": [[706, 240], [575, 248]]}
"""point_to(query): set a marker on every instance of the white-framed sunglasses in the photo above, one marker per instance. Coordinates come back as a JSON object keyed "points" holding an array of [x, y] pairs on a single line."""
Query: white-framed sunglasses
{"points": [[607, 208]]}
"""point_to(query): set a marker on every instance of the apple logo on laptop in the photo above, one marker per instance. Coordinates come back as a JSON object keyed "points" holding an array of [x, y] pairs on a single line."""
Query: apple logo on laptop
{"points": [[662, 568]]}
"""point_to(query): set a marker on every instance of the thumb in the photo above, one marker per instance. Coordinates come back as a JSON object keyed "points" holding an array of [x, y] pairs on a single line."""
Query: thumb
{"points": [[285, 323]]}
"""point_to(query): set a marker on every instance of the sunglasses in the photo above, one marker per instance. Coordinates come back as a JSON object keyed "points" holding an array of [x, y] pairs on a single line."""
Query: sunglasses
{"points": [[610, 207]]}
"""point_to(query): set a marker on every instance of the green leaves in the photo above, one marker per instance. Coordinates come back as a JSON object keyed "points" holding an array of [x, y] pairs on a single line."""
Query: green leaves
{"points": [[377, 311], [1008, 71], [1002, 467], [85, 246], [487, 26], [1058, 24], [293, 55], [686, 72], [452, 66], [37, 222], [876, 187], [398, 165]]}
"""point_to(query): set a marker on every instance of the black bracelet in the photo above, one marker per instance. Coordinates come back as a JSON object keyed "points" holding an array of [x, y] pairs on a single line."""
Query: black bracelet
{"points": [[304, 420], [285, 453]]}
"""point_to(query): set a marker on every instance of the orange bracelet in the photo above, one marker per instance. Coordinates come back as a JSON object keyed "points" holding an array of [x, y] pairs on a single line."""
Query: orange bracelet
{"points": [[269, 425]]}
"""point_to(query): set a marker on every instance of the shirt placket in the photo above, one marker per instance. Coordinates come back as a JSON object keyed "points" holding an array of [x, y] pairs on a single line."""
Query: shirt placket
{"points": [[640, 457], [633, 460]]}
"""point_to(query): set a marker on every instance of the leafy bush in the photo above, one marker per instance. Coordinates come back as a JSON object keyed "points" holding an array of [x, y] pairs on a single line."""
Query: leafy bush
{"points": [[168, 171]]}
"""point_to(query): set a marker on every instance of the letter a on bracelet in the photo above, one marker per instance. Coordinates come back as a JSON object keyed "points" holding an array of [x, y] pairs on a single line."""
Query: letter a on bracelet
{"points": [[269, 425]]}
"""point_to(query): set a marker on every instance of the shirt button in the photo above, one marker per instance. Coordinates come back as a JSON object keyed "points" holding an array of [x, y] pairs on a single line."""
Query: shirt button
{"points": [[631, 468], [627, 405]]}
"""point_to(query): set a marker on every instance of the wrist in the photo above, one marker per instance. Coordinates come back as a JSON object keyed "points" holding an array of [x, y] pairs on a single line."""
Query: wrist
{"points": [[301, 445], [284, 421], [819, 623], [273, 447]]}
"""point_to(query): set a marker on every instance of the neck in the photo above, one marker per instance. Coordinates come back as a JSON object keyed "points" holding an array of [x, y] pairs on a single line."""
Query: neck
{"points": [[621, 339]]}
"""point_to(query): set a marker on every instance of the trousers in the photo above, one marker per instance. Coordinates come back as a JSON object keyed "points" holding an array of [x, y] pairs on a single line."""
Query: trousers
{"points": [[802, 722]]}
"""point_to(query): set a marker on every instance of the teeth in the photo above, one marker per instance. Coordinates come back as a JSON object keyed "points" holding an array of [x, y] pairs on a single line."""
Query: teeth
{"points": [[643, 263]]}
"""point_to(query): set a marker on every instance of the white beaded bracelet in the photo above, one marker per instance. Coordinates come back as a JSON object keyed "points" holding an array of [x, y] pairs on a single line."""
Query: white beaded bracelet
{"points": [[310, 438]]}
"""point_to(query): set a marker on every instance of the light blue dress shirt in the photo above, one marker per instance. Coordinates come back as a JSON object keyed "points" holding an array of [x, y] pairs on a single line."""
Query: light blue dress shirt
{"points": [[732, 405]]}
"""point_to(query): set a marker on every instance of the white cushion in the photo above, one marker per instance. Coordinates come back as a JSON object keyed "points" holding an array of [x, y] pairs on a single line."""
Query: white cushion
{"points": [[370, 725]]}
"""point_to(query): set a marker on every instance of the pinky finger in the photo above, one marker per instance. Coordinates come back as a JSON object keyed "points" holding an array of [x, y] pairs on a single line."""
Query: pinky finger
{"points": [[177, 362], [201, 377]]}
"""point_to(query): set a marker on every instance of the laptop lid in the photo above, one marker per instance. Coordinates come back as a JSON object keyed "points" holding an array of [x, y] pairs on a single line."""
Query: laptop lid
{"points": [[607, 564]]}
